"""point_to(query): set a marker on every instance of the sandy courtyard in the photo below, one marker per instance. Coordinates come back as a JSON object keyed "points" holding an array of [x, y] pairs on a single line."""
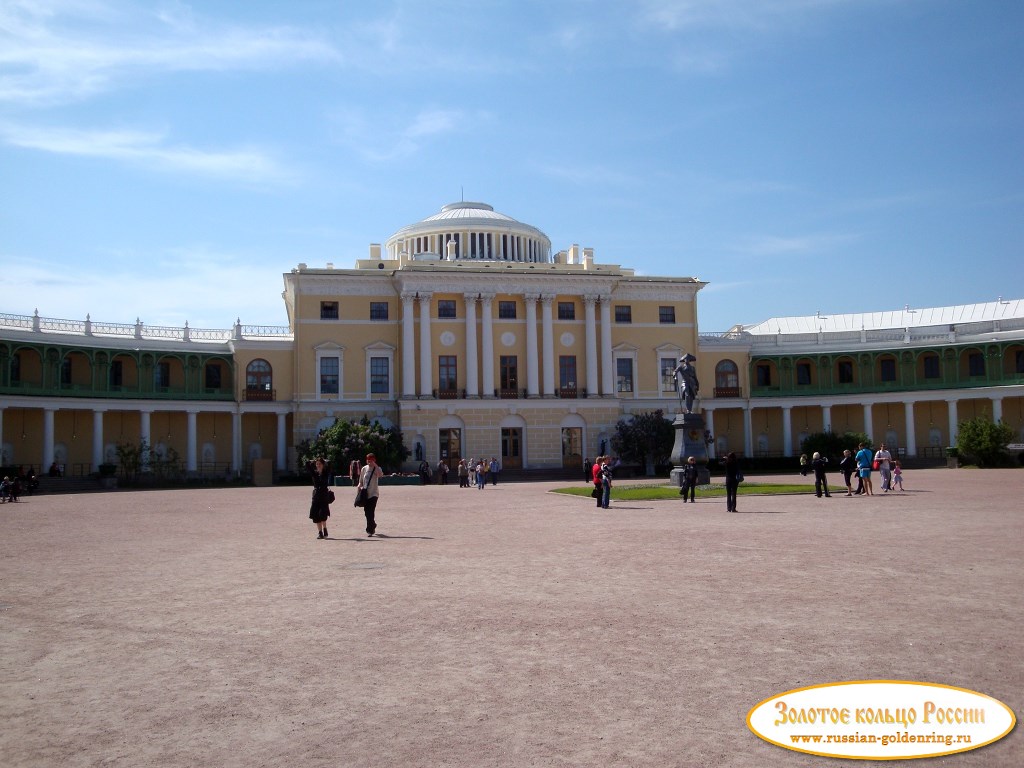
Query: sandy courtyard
{"points": [[504, 627]]}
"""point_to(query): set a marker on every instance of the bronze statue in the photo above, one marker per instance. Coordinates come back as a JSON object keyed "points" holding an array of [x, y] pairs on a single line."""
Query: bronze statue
{"points": [[687, 385]]}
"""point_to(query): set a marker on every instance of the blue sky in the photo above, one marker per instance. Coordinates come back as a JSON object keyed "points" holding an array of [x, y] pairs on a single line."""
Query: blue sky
{"points": [[169, 161]]}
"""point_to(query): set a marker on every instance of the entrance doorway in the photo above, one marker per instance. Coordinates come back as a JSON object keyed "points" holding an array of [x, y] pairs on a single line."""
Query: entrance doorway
{"points": [[511, 448], [450, 446], [572, 447]]}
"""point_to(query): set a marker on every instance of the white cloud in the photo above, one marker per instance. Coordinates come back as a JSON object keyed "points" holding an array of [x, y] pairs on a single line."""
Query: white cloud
{"points": [[401, 140], [774, 245], [150, 150]]}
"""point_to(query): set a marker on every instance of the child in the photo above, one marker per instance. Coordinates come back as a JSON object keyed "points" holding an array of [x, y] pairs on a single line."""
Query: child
{"points": [[897, 475]]}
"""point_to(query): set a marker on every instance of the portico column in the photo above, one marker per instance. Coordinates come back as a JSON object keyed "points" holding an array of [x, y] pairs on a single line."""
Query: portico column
{"points": [[472, 364], [787, 431], [531, 344], [748, 429], [548, 334], [426, 355], [867, 421], [97, 439], [590, 327], [826, 417], [282, 449], [908, 412], [607, 371], [236, 442], [408, 346], [709, 425], [997, 410], [145, 435], [487, 344], [190, 442], [953, 421], [48, 437]]}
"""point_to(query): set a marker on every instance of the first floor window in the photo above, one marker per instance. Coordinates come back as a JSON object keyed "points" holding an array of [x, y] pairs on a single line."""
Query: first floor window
{"points": [[213, 376], [1019, 361], [667, 315], [378, 310], [65, 371], [116, 373], [764, 375], [507, 310], [163, 375], [258, 376], [15, 369], [328, 310], [623, 313], [976, 364], [844, 369], [567, 371], [379, 376], [445, 308], [887, 369], [566, 310], [803, 374], [330, 370], [624, 374], [931, 367], [447, 371], [668, 377], [509, 371]]}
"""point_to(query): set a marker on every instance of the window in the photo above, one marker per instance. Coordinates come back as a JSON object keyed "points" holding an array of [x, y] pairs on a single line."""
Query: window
{"points": [[117, 373], [328, 310], [509, 369], [623, 313], [803, 374], [976, 364], [727, 375], [667, 315], [15, 369], [567, 371], [667, 366], [330, 370], [844, 370], [379, 376], [1019, 361], [213, 375], [448, 370], [763, 371], [507, 310], [258, 376], [566, 310], [623, 374], [887, 369], [65, 371], [445, 308], [931, 367], [162, 375], [378, 310]]}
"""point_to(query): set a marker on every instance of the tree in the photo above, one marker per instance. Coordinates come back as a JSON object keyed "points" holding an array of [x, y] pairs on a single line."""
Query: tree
{"points": [[646, 439], [140, 458], [347, 440], [831, 446], [984, 441]]}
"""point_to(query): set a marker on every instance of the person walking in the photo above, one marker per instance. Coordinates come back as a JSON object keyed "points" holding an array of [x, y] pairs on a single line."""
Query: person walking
{"points": [[883, 458], [847, 467], [442, 472], [320, 507], [494, 470], [463, 474], [897, 476], [689, 480], [353, 471], [803, 464], [606, 481], [864, 459], [732, 480], [595, 478], [481, 474], [818, 464], [588, 469], [368, 479]]}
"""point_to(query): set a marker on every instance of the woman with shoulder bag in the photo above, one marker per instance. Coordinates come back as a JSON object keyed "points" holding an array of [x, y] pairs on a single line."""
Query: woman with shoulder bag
{"points": [[320, 508], [368, 481]]}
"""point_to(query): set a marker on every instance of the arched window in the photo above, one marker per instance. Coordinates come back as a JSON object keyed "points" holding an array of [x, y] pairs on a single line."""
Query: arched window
{"points": [[259, 381], [727, 379]]}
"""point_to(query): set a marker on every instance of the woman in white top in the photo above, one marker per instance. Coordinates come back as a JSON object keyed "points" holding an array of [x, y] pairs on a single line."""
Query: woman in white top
{"points": [[368, 479]]}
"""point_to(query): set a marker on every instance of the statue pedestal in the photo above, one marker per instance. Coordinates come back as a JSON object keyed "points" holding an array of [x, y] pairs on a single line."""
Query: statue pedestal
{"points": [[689, 429]]}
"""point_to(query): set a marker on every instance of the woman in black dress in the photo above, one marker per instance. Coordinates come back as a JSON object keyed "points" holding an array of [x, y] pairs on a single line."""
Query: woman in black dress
{"points": [[732, 481], [320, 508]]}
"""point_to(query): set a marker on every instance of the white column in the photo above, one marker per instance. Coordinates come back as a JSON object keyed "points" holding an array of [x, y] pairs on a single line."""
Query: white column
{"points": [[145, 435], [548, 335], [997, 410], [472, 364], [826, 417], [590, 326], [532, 361], [748, 430], [487, 344], [426, 355], [908, 411], [709, 425], [408, 346], [97, 439], [282, 449], [190, 442], [607, 367], [954, 429], [787, 430], [236, 441], [867, 424], [47, 437]]}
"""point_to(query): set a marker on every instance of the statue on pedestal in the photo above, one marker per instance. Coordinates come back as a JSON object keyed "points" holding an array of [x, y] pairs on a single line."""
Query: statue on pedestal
{"points": [[687, 385]]}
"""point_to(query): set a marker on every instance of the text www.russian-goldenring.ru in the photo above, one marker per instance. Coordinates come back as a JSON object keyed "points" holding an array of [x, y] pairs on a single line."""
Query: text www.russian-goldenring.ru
{"points": [[885, 740]]}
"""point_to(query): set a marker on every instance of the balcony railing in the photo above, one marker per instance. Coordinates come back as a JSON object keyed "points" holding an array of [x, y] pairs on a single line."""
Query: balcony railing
{"points": [[727, 392], [261, 394], [509, 393], [450, 394]]}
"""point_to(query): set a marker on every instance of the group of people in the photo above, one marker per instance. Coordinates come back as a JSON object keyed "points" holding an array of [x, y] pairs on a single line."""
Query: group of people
{"points": [[863, 463], [601, 476], [364, 478], [475, 472], [11, 487]]}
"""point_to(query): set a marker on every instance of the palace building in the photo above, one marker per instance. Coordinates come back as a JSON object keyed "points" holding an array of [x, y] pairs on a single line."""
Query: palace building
{"points": [[472, 337]]}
